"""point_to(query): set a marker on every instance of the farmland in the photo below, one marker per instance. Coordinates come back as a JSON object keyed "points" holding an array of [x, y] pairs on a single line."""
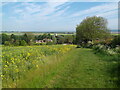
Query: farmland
{"points": [[40, 33], [17, 61], [55, 66]]}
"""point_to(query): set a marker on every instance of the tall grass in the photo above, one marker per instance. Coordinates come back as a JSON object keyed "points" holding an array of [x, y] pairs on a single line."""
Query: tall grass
{"points": [[18, 62], [113, 67]]}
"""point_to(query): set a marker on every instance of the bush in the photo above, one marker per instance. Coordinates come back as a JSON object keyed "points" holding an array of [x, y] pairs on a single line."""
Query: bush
{"points": [[42, 43], [117, 49], [23, 43], [16, 43], [7, 43], [79, 46], [50, 43], [115, 41]]}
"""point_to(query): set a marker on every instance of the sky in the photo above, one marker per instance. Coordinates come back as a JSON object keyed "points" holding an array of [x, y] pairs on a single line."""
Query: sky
{"points": [[47, 16]]}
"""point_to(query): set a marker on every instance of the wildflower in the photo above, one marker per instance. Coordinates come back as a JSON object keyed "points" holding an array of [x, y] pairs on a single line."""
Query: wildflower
{"points": [[37, 66], [28, 54], [1, 75], [6, 66], [17, 70]]}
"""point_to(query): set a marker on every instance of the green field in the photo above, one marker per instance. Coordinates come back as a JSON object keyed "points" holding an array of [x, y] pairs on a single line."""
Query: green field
{"points": [[38, 33], [57, 66]]}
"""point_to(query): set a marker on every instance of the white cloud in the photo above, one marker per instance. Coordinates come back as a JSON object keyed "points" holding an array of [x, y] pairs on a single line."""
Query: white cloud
{"points": [[109, 14], [108, 11], [33, 10], [35, 16], [30, 15], [97, 9]]}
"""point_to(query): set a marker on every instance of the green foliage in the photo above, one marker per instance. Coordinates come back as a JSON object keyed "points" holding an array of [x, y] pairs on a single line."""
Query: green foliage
{"points": [[50, 43], [0, 38], [13, 37], [41, 37], [42, 43], [7, 43], [54, 40], [5, 37], [111, 57], [28, 38], [91, 28], [60, 39], [31, 39], [74, 39], [68, 39], [16, 43], [116, 41], [23, 43], [39, 43]]}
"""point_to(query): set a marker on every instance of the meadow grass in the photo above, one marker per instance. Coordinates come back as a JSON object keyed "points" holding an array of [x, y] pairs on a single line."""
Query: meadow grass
{"points": [[61, 67], [86, 70], [18, 61], [80, 68]]}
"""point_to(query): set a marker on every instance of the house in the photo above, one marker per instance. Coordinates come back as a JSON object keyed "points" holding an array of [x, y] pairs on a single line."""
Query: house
{"points": [[44, 40]]}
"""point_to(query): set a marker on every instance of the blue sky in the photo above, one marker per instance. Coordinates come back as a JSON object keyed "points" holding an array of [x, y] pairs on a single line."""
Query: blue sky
{"points": [[54, 16]]}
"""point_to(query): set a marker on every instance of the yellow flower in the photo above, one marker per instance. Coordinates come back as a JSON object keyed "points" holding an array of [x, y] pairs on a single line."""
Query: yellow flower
{"points": [[37, 66], [17, 70], [28, 54], [6, 66], [1, 75]]}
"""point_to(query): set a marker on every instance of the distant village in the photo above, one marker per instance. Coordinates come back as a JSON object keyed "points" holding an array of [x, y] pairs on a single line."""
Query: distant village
{"points": [[44, 40]]}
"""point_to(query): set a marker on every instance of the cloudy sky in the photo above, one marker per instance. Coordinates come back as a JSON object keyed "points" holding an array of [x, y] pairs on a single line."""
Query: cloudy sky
{"points": [[54, 16]]}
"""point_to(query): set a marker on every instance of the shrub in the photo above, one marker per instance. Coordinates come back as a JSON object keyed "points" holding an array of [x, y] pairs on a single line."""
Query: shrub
{"points": [[16, 43], [79, 46], [117, 49], [43, 43], [50, 43], [23, 43], [115, 41], [7, 43]]}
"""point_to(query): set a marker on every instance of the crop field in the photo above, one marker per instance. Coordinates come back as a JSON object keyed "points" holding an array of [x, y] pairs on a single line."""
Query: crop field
{"points": [[17, 61], [36, 34]]}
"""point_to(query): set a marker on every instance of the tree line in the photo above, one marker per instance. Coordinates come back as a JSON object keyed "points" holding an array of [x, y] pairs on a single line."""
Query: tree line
{"points": [[30, 39]]}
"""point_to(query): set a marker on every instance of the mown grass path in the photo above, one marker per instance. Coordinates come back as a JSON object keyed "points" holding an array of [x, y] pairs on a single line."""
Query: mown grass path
{"points": [[80, 68], [85, 70]]}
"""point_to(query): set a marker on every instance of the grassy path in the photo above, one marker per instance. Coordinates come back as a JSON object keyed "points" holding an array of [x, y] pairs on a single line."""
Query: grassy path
{"points": [[85, 70], [80, 68]]}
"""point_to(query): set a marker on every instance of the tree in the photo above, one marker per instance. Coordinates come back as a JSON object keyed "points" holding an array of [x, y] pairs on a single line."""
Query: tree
{"points": [[7, 43], [13, 38], [68, 39], [116, 41], [44, 36], [22, 43], [39, 37], [28, 38], [5, 37], [17, 43], [91, 28], [60, 39], [54, 39], [74, 39], [49, 36]]}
